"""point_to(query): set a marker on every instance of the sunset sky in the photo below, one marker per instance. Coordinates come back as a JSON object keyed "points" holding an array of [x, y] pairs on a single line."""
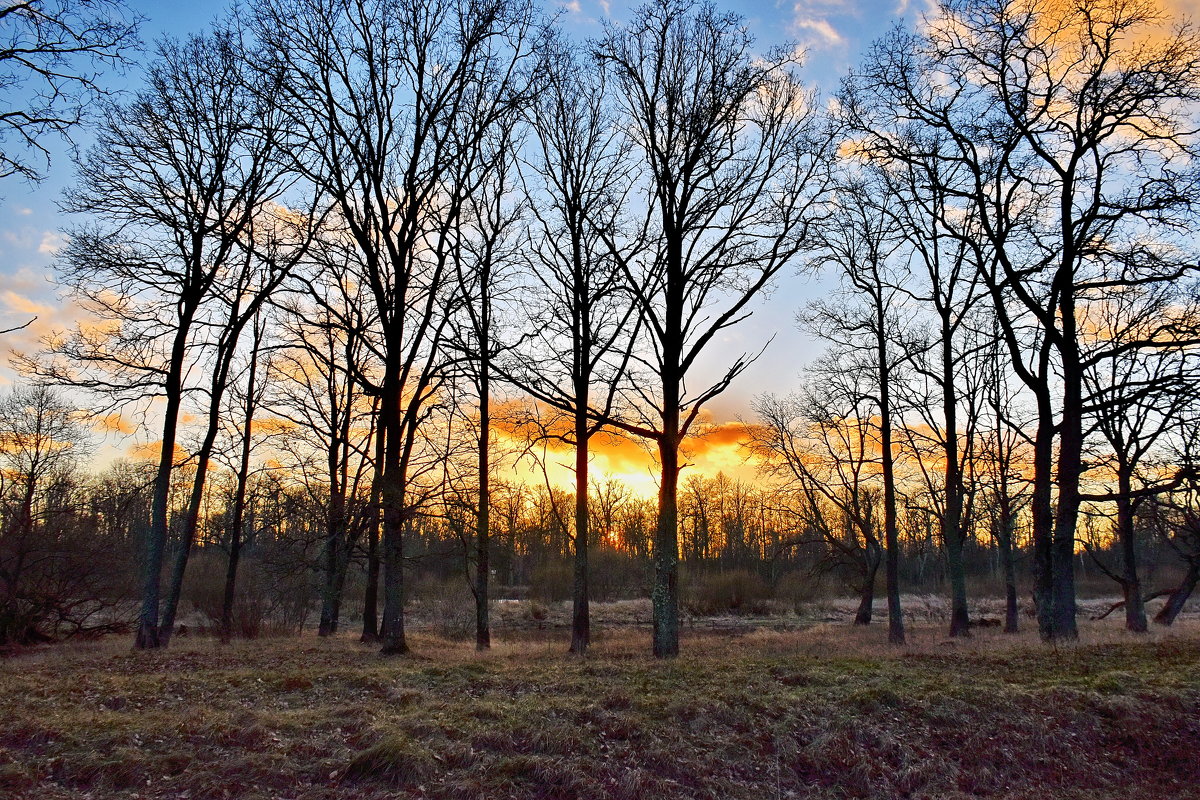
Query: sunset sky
{"points": [[833, 33]]}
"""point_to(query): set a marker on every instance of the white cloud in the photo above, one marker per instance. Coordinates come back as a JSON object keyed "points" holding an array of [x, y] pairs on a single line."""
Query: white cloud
{"points": [[822, 33], [573, 7], [811, 22], [51, 242], [18, 239]]}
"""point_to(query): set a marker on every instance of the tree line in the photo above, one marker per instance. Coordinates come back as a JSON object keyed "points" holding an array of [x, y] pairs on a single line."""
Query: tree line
{"points": [[327, 236]]}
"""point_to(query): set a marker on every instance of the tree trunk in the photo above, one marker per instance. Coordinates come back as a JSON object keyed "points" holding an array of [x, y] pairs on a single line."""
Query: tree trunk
{"points": [[336, 551], [665, 593], [1131, 585], [891, 537], [866, 598], [235, 533], [483, 632], [1179, 597], [154, 543], [220, 382], [370, 614], [1005, 541], [580, 613], [191, 524], [334, 557], [1070, 469], [231, 570], [952, 533], [394, 641], [239, 498], [1043, 524], [330, 558], [392, 494]]}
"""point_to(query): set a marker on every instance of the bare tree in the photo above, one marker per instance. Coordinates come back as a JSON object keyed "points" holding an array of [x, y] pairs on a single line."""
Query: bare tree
{"points": [[1135, 398], [42, 439], [732, 161], [1071, 125], [272, 247], [174, 186], [485, 256], [394, 97], [819, 443], [251, 396], [579, 307], [1175, 517], [861, 237], [52, 57], [1003, 465], [946, 376], [312, 387]]}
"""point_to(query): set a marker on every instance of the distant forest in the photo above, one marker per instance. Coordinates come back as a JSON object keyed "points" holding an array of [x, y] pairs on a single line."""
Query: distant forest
{"points": [[365, 271]]}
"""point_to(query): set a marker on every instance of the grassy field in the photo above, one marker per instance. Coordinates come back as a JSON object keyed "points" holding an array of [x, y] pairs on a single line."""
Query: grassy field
{"points": [[829, 712]]}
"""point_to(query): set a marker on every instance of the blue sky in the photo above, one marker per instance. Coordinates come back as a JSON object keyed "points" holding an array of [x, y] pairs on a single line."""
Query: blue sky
{"points": [[833, 32]]}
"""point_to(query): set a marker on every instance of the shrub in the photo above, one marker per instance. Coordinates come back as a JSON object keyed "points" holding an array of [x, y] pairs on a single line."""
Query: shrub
{"points": [[798, 589], [62, 580], [552, 580], [268, 599], [613, 575], [446, 605], [738, 591]]}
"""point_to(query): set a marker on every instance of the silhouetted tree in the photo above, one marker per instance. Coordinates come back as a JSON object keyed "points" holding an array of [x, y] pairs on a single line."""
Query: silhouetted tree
{"points": [[52, 57], [578, 305], [176, 186], [1070, 127], [732, 160], [395, 98]]}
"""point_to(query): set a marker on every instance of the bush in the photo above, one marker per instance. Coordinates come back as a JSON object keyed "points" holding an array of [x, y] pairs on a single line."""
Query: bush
{"points": [[612, 575], [446, 604], [268, 598], [616, 576], [736, 591], [551, 581], [798, 589], [62, 581]]}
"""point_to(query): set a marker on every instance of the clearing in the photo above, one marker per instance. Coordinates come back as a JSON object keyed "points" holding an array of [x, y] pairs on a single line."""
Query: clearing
{"points": [[826, 712]]}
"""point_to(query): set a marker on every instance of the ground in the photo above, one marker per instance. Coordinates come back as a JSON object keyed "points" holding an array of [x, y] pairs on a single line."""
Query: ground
{"points": [[822, 712]]}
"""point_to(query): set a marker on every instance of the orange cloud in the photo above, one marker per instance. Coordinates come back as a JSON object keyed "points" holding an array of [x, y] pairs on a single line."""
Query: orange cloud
{"points": [[149, 451], [19, 304], [715, 447], [115, 423]]}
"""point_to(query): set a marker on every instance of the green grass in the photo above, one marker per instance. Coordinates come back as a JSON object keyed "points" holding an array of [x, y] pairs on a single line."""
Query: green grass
{"points": [[827, 713]]}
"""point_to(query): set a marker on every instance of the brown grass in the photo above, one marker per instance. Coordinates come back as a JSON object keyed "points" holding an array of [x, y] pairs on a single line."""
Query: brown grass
{"points": [[828, 712]]}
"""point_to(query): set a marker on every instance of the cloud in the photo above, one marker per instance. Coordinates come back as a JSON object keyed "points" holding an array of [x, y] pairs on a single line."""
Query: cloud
{"points": [[573, 7], [52, 242], [715, 446], [812, 22], [23, 303], [823, 34], [149, 451], [19, 240], [115, 423], [27, 279], [19, 304]]}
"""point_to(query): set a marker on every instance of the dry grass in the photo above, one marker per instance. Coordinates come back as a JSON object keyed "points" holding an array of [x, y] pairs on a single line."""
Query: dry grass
{"points": [[828, 712]]}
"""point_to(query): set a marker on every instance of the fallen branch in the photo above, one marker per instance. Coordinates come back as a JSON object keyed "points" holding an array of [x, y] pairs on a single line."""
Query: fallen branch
{"points": [[1146, 599]]}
